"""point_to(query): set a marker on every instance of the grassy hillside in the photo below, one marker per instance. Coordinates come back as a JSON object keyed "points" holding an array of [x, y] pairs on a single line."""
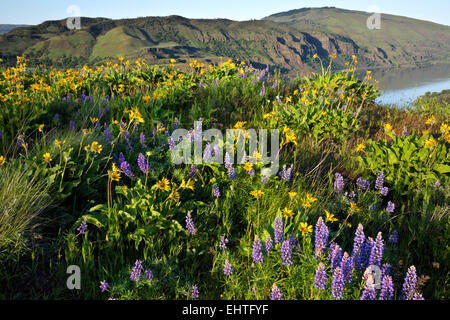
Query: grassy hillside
{"points": [[5, 28], [284, 40]]}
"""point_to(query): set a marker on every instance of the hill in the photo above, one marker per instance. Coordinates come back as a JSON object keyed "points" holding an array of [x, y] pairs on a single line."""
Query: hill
{"points": [[5, 28], [285, 40]]}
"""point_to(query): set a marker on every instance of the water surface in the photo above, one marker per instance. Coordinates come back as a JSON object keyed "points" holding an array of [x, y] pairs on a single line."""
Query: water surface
{"points": [[402, 86]]}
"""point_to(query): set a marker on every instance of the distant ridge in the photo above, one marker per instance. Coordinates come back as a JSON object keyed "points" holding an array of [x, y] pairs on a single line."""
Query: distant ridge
{"points": [[285, 40]]}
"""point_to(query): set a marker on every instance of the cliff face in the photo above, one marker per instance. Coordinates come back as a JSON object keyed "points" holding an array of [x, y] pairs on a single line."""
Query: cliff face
{"points": [[286, 40]]}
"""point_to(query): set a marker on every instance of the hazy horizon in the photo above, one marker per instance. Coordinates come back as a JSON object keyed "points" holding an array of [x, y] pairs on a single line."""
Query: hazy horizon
{"points": [[38, 12]]}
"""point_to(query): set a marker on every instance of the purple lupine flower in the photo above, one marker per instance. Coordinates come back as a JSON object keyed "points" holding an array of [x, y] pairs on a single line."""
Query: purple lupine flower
{"points": [[293, 240], [275, 84], [194, 292], [385, 270], [320, 280], [264, 179], [321, 237], [405, 132], [417, 296], [107, 134], [338, 183], [216, 191], [268, 244], [380, 181], [83, 226], [409, 286], [193, 171], [387, 288], [171, 143], [278, 230], [142, 163], [72, 125], [393, 238], [136, 271], [227, 268], [104, 285], [227, 161], [437, 184], [142, 140], [275, 293], [223, 242], [337, 286], [201, 84], [149, 275], [390, 207], [57, 116], [369, 292], [121, 158], [346, 266], [231, 173], [207, 153], [335, 256], [366, 252], [253, 289], [376, 253], [286, 253], [126, 168], [362, 184], [126, 136], [175, 123], [256, 252], [190, 227], [263, 91], [384, 191], [286, 174], [358, 243]]}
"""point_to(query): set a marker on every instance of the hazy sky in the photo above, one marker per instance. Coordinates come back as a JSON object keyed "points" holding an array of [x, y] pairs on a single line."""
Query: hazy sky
{"points": [[37, 11]]}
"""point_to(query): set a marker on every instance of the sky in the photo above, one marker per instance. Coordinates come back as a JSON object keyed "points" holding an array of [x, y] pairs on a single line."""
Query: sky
{"points": [[38, 11]]}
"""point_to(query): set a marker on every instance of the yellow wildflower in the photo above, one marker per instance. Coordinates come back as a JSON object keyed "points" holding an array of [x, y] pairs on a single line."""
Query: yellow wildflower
{"points": [[2, 160], [96, 147], [430, 120], [288, 213], [387, 127], [430, 143], [330, 217], [354, 207], [248, 166], [47, 157], [163, 184], [257, 193], [187, 185], [305, 228], [292, 195], [360, 147], [174, 195]]}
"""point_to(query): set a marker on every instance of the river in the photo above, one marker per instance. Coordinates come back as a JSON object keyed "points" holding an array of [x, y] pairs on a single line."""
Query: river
{"points": [[402, 86]]}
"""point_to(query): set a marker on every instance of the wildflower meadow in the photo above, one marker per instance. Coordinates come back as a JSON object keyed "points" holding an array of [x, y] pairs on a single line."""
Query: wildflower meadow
{"points": [[354, 207]]}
